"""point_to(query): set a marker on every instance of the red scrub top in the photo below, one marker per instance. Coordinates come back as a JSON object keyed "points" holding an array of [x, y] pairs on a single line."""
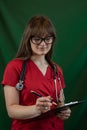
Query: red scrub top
{"points": [[34, 80]]}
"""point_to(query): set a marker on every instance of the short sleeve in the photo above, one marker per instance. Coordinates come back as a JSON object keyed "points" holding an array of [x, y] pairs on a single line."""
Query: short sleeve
{"points": [[11, 74]]}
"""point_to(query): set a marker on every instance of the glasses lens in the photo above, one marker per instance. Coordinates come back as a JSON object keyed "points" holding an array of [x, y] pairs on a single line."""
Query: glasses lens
{"points": [[36, 40], [49, 39]]}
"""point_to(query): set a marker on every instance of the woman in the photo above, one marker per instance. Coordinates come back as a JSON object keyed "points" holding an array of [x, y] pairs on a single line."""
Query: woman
{"points": [[41, 88]]}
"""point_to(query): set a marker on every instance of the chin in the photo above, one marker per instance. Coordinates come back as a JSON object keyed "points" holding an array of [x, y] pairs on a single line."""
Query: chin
{"points": [[43, 53]]}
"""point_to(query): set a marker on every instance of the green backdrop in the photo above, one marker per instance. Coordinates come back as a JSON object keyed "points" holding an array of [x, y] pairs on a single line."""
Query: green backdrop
{"points": [[70, 51]]}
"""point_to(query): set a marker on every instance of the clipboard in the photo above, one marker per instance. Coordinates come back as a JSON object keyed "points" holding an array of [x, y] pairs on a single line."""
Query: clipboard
{"points": [[56, 110], [70, 105]]}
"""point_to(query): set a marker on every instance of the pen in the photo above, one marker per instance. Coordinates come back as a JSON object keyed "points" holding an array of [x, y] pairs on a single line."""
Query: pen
{"points": [[39, 95]]}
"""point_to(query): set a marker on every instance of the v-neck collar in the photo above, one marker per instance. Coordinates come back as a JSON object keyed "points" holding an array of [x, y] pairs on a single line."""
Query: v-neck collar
{"points": [[38, 70]]}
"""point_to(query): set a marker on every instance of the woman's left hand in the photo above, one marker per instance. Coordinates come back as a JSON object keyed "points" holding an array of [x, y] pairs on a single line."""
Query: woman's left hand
{"points": [[64, 114]]}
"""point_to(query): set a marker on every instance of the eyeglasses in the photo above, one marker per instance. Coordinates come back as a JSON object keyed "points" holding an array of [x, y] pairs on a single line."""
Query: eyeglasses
{"points": [[37, 40]]}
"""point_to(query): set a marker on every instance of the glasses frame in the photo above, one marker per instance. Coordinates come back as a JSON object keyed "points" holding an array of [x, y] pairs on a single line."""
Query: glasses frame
{"points": [[42, 39]]}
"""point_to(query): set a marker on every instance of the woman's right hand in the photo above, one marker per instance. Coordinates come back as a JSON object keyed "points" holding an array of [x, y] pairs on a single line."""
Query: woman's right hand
{"points": [[43, 104], [17, 111]]}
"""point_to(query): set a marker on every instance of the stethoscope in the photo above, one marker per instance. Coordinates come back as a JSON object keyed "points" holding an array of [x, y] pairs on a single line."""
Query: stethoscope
{"points": [[20, 85]]}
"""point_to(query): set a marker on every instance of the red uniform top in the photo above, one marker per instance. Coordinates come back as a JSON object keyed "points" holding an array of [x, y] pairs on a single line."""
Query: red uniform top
{"points": [[34, 80]]}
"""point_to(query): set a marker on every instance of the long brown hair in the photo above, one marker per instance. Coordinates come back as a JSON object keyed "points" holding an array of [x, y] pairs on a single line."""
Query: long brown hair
{"points": [[37, 25]]}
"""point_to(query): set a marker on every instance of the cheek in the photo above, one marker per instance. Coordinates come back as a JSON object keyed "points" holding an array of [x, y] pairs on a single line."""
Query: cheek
{"points": [[37, 49], [49, 47], [33, 47]]}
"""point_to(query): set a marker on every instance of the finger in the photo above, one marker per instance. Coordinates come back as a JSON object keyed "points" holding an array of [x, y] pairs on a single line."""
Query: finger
{"points": [[43, 104], [63, 117], [67, 111], [44, 99], [44, 109]]}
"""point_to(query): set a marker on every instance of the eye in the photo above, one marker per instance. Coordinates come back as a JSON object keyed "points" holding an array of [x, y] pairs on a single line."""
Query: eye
{"points": [[49, 38], [36, 38]]}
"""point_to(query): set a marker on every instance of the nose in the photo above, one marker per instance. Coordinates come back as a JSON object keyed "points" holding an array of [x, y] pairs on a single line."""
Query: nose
{"points": [[43, 43]]}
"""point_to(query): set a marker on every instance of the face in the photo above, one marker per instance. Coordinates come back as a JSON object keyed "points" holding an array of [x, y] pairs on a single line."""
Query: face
{"points": [[41, 45]]}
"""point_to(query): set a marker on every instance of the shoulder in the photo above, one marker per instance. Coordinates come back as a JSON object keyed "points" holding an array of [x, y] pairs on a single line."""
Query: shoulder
{"points": [[58, 67], [12, 72], [14, 64]]}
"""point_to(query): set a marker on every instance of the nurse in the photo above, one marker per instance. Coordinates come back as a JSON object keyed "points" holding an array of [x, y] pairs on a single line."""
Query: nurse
{"points": [[39, 74]]}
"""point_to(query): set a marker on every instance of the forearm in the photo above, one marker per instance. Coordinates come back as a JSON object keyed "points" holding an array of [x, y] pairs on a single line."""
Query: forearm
{"points": [[23, 112], [17, 111]]}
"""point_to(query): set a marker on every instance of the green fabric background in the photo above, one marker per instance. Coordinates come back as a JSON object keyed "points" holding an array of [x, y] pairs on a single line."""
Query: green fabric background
{"points": [[70, 51]]}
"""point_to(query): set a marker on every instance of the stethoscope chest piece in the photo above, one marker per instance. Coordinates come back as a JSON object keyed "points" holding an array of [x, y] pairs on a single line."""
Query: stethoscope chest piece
{"points": [[19, 86]]}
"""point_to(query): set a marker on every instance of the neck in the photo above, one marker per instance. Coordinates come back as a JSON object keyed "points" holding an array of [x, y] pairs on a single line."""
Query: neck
{"points": [[39, 59]]}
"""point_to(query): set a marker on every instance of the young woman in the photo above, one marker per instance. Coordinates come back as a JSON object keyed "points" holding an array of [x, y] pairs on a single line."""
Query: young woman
{"points": [[33, 83]]}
